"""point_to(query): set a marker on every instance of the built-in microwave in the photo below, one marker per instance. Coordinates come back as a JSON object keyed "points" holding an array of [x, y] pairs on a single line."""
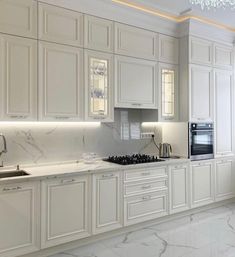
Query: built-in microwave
{"points": [[201, 141]]}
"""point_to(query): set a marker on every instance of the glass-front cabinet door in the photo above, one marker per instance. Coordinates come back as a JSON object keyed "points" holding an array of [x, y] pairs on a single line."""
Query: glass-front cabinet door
{"points": [[99, 85], [168, 96]]}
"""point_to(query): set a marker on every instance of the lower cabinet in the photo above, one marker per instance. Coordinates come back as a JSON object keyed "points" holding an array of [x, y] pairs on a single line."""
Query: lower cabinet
{"points": [[224, 177], [178, 188], [202, 183], [19, 218], [107, 202], [65, 210]]}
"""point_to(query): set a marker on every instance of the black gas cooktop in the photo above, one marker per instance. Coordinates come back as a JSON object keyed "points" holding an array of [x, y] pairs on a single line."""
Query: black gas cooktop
{"points": [[132, 159]]}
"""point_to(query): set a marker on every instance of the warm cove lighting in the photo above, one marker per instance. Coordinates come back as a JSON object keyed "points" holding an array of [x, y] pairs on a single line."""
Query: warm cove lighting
{"points": [[49, 124], [172, 17]]}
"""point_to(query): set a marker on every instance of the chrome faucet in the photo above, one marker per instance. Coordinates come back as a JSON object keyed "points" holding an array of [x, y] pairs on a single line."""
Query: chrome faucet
{"points": [[4, 147]]}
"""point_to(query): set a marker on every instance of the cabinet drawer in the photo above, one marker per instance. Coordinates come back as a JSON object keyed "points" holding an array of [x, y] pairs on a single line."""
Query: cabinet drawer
{"points": [[132, 175], [145, 207], [145, 187]]}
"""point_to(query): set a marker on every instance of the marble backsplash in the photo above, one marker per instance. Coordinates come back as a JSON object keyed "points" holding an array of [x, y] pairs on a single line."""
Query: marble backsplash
{"points": [[36, 143]]}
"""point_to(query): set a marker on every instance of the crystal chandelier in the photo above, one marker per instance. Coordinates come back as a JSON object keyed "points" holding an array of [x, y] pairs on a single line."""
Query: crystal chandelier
{"points": [[213, 4]]}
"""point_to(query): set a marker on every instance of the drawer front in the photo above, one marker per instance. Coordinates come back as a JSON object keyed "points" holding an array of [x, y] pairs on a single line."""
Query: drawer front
{"points": [[133, 175], [145, 207], [146, 187]]}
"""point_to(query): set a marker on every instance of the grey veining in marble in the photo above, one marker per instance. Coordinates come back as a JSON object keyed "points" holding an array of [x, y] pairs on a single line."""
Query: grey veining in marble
{"points": [[36, 144], [206, 234]]}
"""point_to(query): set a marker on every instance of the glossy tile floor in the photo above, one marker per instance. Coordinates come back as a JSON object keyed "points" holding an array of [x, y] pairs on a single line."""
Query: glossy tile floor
{"points": [[207, 234]]}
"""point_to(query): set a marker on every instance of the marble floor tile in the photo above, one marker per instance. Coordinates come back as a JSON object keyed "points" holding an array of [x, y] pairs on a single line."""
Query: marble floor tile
{"points": [[209, 233]]}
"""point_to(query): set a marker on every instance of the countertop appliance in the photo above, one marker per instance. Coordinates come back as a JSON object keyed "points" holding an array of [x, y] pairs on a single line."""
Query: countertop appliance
{"points": [[132, 159], [201, 137], [165, 150]]}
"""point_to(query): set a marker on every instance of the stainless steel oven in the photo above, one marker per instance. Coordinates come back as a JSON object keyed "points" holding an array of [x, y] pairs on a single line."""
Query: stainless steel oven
{"points": [[201, 138]]}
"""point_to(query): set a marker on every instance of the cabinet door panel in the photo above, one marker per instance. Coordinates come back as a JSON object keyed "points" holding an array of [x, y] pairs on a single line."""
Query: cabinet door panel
{"points": [[202, 184], [98, 34], [60, 82], [223, 56], [224, 179], [60, 25], [135, 42], [65, 210], [135, 83], [200, 51], [18, 220], [168, 49], [107, 206], [19, 17], [223, 112], [19, 78], [201, 95]]}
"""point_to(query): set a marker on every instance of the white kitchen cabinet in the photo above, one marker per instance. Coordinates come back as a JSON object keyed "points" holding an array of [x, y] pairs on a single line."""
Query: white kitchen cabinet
{"points": [[56, 24], [223, 84], [65, 210], [98, 86], [135, 42], [18, 72], [60, 82], [202, 183], [201, 93], [19, 17], [200, 51], [179, 188], [224, 177], [223, 56], [19, 220], [107, 202], [168, 49], [145, 207], [135, 83], [98, 34], [168, 92]]}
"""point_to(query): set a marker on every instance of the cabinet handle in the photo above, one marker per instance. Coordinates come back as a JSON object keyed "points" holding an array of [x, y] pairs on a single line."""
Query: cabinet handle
{"points": [[136, 104], [99, 118], [145, 198], [18, 116], [145, 173], [65, 181], [146, 187], [12, 189], [108, 176], [62, 117]]}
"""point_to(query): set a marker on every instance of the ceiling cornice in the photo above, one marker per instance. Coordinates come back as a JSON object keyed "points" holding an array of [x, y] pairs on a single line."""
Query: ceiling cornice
{"points": [[168, 16]]}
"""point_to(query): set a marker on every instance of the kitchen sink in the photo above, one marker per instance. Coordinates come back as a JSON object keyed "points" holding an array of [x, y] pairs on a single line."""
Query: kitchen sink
{"points": [[13, 173]]}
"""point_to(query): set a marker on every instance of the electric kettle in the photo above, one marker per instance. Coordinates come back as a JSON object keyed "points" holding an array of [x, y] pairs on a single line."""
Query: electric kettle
{"points": [[165, 150]]}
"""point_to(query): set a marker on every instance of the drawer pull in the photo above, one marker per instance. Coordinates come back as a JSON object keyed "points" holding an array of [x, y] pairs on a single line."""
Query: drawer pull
{"points": [[64, 181], [12, 189], [146, 187], [18, 116], [145, 198], [145, 173], [136, 104], [62, 117], [108, 176]]}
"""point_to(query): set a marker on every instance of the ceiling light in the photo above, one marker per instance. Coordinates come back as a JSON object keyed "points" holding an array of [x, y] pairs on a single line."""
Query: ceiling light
{"points": [[214, 4]]}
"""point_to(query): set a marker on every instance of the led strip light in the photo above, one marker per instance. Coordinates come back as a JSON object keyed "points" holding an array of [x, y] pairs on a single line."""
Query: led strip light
{"points": [[172, 17]]}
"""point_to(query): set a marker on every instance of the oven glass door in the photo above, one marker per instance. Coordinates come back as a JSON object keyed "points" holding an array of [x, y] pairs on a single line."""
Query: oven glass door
{"points": [[201, 142]]}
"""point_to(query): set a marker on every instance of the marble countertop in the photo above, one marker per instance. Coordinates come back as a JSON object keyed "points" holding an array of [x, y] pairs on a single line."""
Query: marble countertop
{"points": [[40, 172]]}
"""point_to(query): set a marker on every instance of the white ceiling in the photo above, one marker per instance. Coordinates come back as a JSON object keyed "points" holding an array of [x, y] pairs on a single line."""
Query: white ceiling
{"points": [[176, 7]]}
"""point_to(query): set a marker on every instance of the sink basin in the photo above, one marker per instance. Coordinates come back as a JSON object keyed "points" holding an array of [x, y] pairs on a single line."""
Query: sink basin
{"points": [[13, 173]]}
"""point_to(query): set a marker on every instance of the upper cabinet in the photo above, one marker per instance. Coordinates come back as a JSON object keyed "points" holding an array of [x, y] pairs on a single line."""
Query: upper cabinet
{"points": [[135, 83], [18, 84], [60, 25], [19, 17], [98, 86], [168, 92], [60, 82], [223, 56], [168, 49], [98, 34], [200, 51], [136, 42], [201, 93]]}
